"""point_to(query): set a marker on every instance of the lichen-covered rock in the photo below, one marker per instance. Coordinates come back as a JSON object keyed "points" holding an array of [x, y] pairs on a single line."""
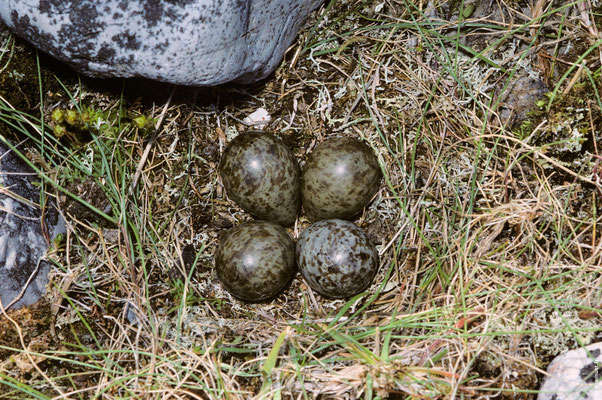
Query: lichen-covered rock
{"points": [[22, 240], [575, 375], [519, 98], [187, 42]]}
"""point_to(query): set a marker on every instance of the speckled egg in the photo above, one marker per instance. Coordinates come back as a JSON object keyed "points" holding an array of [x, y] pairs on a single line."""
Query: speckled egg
{"points": [[261, 175], [339, 179], [255, 260], [336, 258]]}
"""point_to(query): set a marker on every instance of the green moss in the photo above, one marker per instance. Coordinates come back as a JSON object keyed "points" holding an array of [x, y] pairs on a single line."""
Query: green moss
{"points": [[58, 115], [77, 124], [142, 122], [565, 130]]}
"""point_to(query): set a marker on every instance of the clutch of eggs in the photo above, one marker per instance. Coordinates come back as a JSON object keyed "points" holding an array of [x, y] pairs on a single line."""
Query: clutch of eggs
{"points": [[256, 259]]}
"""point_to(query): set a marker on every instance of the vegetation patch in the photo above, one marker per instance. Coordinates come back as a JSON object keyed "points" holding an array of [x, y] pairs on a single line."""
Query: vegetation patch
{"points": [[486, 222]]}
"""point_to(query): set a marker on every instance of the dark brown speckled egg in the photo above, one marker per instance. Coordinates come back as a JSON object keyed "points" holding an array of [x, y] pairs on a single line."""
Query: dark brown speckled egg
{"points": [[336, 258], [255, 260], [261, 175], [339, 179]]}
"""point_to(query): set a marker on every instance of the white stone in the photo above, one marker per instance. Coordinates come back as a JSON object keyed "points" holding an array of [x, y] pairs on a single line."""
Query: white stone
{"points": [[258, 119], [575, 375]]}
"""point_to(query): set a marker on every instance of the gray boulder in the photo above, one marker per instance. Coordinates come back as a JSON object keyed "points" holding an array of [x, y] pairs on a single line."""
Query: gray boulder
{"points": [[574, 375], [23, 272], [186, 42]]}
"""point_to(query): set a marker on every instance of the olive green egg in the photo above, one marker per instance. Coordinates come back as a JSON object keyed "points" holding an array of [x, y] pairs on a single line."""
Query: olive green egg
{"points": [[339, 179], [255, 260], [261, 175], [336, 258]]}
